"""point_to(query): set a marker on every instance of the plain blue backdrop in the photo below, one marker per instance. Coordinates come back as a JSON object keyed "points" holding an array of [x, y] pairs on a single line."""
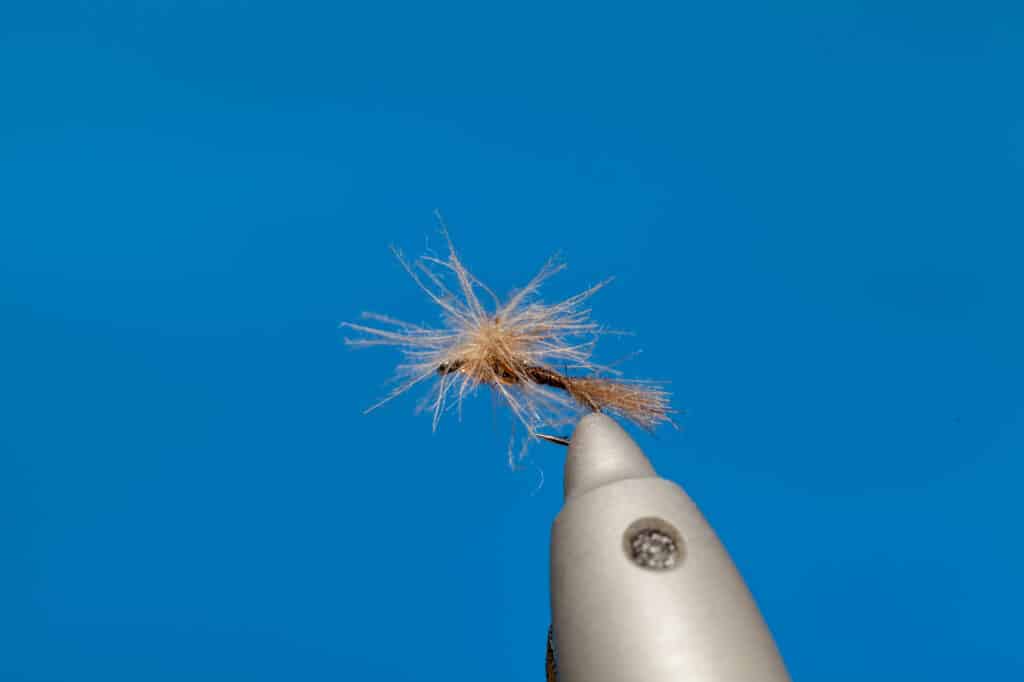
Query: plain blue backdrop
{"points": [[813, 214]]}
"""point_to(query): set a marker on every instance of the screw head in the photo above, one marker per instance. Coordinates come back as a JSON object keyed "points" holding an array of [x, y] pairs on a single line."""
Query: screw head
{"points": [[653, 544]]}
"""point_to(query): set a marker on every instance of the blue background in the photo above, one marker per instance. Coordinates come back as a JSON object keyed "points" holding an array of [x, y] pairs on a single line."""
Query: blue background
{"points": [[813, 214]]}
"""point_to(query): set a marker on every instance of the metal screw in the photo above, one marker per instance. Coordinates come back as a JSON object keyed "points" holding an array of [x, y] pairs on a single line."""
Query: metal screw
{"points": [[653, 547]]}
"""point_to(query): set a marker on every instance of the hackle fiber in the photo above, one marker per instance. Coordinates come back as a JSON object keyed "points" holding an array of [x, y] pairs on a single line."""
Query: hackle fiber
{"points": [[536, 356]]}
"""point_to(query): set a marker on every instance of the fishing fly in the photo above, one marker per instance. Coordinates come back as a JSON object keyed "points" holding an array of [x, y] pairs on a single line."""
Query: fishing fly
{"points": [[535, 356]]}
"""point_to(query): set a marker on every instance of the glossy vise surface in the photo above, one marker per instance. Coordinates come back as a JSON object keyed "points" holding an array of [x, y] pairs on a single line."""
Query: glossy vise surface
{"points": [[641, 588]]}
